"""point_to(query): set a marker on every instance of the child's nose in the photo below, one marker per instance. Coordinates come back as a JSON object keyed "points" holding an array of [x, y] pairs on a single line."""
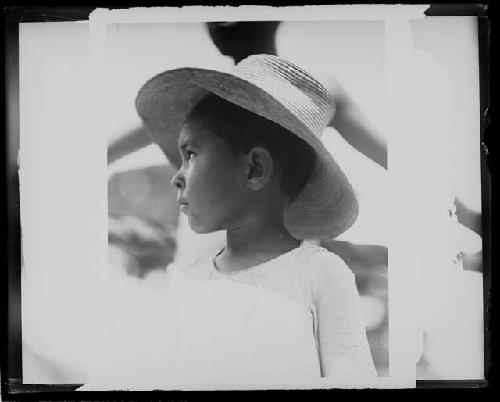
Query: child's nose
{"points": [[178, 179]]}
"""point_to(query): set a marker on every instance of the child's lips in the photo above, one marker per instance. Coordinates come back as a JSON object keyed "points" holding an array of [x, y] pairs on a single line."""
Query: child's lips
{"points": [[183, 205]]}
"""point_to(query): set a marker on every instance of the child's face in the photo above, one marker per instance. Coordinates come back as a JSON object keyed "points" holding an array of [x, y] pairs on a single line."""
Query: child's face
{"points": [[210, 183]]}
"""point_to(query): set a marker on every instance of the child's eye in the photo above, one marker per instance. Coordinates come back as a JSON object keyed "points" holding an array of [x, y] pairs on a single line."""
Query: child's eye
{"points": [[190, 154]]}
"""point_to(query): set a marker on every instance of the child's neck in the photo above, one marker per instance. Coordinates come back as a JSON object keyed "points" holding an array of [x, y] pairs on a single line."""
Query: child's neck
{"points": [[254, 244]]}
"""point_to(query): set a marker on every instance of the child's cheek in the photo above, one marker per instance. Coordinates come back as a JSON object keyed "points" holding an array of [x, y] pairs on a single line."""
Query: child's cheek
{"points": [[197, 173]]}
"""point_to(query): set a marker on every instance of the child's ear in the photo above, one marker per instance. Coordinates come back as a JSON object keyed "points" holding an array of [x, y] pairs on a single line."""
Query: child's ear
{"points": [[259, 168]]}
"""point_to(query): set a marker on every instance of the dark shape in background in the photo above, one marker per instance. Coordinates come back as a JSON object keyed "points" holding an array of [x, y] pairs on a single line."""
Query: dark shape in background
{"points": [[145, 193], [456, 9], [242, 39], [143, 216], [13, 369], [17, 14]]}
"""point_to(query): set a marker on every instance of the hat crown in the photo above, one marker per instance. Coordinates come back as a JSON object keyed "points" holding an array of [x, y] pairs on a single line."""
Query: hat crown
{"points": [[293, 87]]}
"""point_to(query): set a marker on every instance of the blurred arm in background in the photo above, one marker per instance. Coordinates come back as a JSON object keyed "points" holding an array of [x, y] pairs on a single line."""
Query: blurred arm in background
{"points": [[351, 124], [127, 143], [235, 39], [241, 39], [146, 245], [467, 217], [46, 370]]}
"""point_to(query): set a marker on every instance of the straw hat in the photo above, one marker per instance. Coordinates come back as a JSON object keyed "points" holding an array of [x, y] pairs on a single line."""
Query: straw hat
{"points": [[278, 91]]}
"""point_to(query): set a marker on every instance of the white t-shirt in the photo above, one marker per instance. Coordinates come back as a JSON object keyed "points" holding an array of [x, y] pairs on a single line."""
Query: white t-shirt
{"points": [[296, 316]]}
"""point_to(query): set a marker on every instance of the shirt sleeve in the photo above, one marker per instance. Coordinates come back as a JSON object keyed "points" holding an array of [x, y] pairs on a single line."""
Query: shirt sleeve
{"points": [[340, 329]]}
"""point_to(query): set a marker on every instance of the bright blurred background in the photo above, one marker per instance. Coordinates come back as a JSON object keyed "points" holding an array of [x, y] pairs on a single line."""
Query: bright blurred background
{"points": [[139, 183], [68, 314]]}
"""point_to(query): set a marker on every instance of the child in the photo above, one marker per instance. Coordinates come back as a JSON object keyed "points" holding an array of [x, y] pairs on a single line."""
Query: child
{"points": [[271, 304]]}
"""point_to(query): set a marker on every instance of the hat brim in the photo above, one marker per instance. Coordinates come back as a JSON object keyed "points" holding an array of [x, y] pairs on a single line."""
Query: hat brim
{"points": [[326, 207]]}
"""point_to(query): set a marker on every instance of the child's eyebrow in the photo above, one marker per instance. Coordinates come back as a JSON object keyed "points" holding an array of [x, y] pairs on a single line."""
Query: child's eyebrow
{"points": [[183, 144], [186, 142]]}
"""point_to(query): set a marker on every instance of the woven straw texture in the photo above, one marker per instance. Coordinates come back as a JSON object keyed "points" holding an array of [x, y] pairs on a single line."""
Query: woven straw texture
{"points": [[276, 90]]}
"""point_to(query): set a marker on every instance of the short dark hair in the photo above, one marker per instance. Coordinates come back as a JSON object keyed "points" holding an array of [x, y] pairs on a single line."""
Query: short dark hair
{"points": [[242, 130]]}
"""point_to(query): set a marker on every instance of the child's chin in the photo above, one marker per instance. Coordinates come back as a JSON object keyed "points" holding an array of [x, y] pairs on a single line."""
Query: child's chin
{"points": [[199, 229]]}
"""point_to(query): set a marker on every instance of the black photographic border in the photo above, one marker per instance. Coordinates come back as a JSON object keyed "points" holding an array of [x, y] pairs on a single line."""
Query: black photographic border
{"points": [[12, 386]]}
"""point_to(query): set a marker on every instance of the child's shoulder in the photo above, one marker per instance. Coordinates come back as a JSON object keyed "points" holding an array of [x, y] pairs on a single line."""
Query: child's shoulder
{"points": [[323, 268], [319, 258]]}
